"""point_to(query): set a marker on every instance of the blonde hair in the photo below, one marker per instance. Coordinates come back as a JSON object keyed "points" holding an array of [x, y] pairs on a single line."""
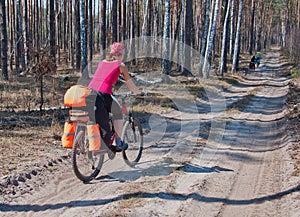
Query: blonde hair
{"points": [[111, 58]]}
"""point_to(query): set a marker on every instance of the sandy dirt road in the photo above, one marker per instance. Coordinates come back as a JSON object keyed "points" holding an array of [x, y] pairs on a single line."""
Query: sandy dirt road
{"points": [[197, 161]]}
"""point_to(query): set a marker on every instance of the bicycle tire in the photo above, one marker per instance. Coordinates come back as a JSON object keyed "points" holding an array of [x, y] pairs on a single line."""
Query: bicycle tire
{"points": [[86, 164], [133, 135]]}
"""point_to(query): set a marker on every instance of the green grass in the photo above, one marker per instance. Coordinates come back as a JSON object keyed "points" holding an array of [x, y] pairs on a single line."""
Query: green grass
{"points": [[295, 73], [286, 53]]}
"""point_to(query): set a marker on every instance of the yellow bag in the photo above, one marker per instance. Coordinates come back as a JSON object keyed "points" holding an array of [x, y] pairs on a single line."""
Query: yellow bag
{"points": [[69, 134], [75, 96], [93, 135]]}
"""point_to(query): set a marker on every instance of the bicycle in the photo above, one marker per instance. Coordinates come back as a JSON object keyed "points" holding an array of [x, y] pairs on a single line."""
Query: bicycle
{"points": [[87, 164]]}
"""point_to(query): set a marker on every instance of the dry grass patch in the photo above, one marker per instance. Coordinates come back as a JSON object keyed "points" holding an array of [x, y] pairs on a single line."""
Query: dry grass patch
{"points": [[24, 145], [23, 93]]}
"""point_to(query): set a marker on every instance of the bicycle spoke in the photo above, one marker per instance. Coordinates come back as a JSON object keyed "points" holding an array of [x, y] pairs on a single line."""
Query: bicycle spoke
{"points": [[86, 164], [132, 135]]}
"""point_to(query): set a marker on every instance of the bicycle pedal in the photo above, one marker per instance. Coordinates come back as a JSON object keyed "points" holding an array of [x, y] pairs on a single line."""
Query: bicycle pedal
{"points": [[111, 154]]}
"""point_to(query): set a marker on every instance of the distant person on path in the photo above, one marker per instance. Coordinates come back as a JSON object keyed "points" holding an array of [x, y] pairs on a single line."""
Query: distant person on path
{"points": [[258, 58], [252, 63]]}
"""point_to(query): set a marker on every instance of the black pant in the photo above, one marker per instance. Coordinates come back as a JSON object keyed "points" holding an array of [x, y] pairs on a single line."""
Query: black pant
{"points": [[104, 104]]}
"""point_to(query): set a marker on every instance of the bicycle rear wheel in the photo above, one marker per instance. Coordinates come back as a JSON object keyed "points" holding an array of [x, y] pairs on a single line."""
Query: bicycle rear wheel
{"points": [[133, 136], [86, 164]]}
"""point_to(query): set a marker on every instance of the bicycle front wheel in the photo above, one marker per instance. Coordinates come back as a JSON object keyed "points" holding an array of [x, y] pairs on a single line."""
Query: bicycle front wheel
{"points": [[133, 136], [86, 164]]}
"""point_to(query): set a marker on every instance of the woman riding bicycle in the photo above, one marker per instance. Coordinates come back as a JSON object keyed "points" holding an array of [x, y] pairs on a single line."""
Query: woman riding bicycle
{"points": [[105, 77]]}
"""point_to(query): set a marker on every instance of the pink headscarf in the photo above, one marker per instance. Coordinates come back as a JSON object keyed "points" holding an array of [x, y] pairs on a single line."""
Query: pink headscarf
{"points": [[117, 49]]}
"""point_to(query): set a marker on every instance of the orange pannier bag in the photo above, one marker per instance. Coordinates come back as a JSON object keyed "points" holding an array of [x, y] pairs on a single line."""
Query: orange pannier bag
{"points": [[93, 135], [75, 96], [69, 134]]}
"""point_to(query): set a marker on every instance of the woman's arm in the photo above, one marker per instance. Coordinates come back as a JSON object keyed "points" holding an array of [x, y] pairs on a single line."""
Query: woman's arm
{"points": [[130, 84]]}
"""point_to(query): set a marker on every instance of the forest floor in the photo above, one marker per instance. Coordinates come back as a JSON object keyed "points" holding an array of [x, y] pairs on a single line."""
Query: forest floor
{"points": [[229, 151]]}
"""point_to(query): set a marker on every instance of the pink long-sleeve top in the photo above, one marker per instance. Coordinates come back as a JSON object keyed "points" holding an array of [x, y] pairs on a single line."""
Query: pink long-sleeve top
{"points": [[106, 76]]}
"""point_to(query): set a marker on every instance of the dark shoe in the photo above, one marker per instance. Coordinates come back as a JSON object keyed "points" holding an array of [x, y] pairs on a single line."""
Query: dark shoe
{"points": [[120, 145]]}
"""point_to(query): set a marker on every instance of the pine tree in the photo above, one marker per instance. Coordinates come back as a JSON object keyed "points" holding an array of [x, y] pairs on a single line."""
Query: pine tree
{"points": [[223, 59], [103, 25], [114, 20], [204, 37], [166, 38], [3, 40], [188, 37], [84, 70], [77, 34], [52, 28], [210, 39], [237, 38]]}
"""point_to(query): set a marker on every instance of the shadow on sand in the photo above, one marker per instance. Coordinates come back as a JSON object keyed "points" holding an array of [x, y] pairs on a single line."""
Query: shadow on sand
{"points": [[161, 195]]}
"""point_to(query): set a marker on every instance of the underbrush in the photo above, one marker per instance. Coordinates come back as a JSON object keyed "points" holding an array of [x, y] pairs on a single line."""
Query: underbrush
{"points": [[293, 103], [24, 93]]}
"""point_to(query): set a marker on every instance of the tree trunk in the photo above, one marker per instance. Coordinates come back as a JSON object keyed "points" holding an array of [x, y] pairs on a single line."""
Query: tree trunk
{"points": [[70, 33], [231, 36], [188, 39], [48, 22], [98, 26], [114, 20], [283, 24], [176, 33], [25, 32], [65, 24], [11, 34], [57, 36], [3, 40], [166, 38], [252, 28], [223, 60], [77, 34], [258, 43], [84, 71], [91, 43], [132, 29], [204, 37], [155, 28], [41, 95], [103, 26], [138, 18], [36, 24], [124, 20], [144, 26], [119, 20], [52, 28], [237, 38], [181, 37], [211, 36], [150, 20], [20, 44], [41, 30]]}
